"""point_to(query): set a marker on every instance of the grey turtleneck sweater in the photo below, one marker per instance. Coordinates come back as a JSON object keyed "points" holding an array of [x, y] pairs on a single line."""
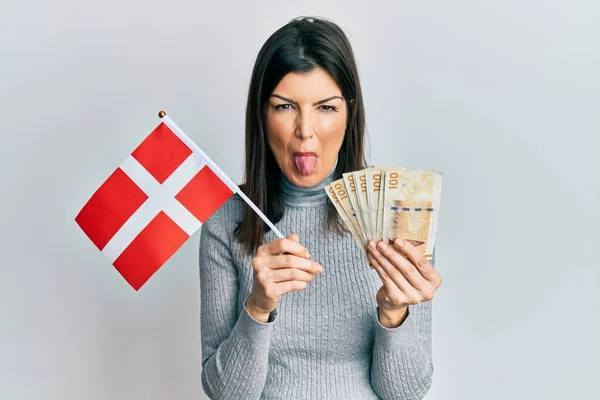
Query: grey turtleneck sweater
{"points": [[324, 342]]}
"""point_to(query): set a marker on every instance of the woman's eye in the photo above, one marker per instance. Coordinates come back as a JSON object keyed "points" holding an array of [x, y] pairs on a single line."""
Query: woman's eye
{"points": [[329, 108], [284, 107]]}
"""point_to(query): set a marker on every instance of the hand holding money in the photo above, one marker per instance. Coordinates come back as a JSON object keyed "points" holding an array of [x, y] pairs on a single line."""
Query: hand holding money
{"points": [[392, 214], [408, 278]]}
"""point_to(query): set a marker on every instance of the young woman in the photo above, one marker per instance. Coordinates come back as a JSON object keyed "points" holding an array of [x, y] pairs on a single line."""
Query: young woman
{"points": [[306, 317]]}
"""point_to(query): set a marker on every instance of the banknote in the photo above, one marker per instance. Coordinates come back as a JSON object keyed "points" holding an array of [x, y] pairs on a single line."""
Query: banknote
{"points": [[339, 188], [347, 220], [375, 179], [362, 196], [411, 207], [374, 191], [348, 178]]}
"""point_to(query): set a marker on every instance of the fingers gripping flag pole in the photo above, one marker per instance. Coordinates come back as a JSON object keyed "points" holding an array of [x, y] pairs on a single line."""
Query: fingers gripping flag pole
{"points": [[154, 201], [163, 115]]}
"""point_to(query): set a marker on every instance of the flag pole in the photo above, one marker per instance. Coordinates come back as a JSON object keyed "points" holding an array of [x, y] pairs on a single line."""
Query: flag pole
{"points": [[234, 188]]}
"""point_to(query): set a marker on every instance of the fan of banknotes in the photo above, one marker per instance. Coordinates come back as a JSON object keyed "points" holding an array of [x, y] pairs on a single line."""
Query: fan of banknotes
{"points": [[384, 203]]}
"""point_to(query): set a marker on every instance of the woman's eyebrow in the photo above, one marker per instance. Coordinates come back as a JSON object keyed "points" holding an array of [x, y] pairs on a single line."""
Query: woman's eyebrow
{"points": [[314, 104]]}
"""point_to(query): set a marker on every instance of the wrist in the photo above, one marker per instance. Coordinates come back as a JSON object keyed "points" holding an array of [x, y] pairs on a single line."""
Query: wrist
{"points": [[392, 318], [255, 312]]}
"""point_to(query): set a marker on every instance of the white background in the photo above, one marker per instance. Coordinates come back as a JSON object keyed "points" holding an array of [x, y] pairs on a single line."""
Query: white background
{"points": [[503, 97]]}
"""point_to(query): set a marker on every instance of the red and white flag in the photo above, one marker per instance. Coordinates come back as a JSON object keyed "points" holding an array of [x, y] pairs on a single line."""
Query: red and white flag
{"points": [[153, 202]]}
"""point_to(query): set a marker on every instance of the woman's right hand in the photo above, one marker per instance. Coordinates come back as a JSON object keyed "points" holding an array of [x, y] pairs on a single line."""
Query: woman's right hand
{"points": [[280, 266]]}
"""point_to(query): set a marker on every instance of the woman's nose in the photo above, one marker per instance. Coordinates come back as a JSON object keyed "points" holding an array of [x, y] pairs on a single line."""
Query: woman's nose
{"points": [[305, 128]]}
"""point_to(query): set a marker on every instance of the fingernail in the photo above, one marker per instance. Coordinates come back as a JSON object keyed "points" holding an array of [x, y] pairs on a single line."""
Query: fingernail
{"points": [[382, 245], [372, 245], [399, 242]]}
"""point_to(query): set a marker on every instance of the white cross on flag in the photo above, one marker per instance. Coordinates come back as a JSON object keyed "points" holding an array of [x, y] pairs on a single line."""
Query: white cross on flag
{"points": [[153, 202]]}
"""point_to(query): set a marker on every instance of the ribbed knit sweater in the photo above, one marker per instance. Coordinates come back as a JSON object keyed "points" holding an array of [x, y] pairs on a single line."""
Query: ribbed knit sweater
{"points": [[323, 342]]}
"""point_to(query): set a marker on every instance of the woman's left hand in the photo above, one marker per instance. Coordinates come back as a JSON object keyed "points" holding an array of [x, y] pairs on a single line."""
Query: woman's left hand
{"points": [[408, 277]]}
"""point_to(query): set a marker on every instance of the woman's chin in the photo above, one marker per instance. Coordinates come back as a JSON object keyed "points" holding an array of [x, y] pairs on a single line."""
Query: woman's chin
{"points": [[306, 180]]}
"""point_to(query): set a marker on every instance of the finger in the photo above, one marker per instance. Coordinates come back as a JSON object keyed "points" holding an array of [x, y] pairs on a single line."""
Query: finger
{"points": [[391, 288], [291, 274], [284, 246], [417, 259], [372, 261], [395, 275], [404, 265], [292, 261], [287, 287]]}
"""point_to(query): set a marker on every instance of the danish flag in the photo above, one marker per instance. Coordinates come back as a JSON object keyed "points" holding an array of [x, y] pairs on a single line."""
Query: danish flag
{"points": [[153, 202]]}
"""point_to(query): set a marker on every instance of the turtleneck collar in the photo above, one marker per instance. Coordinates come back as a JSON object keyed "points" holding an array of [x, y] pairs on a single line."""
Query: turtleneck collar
{"points": [[294, 195]]}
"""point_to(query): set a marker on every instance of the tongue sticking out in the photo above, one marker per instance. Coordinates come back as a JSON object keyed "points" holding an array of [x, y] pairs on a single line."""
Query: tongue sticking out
{"points": [[305, 164]]}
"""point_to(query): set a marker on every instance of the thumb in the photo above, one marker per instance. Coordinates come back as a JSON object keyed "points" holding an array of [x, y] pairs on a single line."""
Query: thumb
{"points": [[294, 237]]}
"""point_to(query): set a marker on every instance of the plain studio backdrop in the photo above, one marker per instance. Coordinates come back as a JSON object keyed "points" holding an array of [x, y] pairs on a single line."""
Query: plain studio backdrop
{"points": [[502, 97]]}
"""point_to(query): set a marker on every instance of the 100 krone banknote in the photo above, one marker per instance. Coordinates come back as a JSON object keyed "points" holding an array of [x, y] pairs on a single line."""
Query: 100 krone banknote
{"points": [[411, 207]]}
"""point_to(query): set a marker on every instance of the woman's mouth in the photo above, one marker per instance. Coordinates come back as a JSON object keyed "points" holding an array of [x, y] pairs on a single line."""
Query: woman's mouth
{"points": [[305, 162]]}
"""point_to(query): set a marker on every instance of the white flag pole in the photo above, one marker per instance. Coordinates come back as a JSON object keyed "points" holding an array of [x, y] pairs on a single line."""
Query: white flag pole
{"points": [[234, 188]]}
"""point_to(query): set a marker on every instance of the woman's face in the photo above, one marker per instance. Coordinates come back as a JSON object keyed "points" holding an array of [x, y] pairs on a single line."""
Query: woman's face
{"points": [[306, 122]]}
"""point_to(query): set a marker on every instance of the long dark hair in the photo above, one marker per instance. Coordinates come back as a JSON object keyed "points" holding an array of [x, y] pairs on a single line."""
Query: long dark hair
{"points": [[301, 45]]}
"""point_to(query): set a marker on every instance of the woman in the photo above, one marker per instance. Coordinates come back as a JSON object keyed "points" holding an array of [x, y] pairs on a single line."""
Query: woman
{"points": [[305, 317]]}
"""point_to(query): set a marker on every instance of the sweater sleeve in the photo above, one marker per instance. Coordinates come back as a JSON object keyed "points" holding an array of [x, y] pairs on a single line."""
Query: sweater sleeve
{"points": [[235, 348], [402, 366]]}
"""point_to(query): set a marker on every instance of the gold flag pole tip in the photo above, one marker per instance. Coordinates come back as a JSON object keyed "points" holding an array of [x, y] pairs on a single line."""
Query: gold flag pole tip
{"points": [[161, 114]]}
